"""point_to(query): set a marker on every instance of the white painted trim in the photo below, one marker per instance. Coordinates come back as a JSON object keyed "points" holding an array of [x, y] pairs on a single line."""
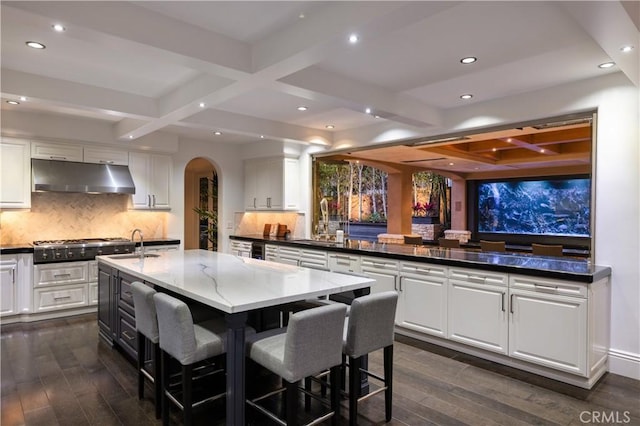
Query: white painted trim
{"points": [[47, 315], [624, 363]]}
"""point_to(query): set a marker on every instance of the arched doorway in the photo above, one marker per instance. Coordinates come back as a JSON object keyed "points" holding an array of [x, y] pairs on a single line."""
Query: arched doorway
{"points": [[201, 205]]}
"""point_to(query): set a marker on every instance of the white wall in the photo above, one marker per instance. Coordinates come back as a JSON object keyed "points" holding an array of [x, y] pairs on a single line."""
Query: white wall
{"points": [[227, 160]]}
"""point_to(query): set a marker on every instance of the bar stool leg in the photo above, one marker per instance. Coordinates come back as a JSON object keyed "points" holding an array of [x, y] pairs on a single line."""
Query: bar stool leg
{"points": [[354, 389], [388, 381], [140, 347], [187, 400], [165, 384], [290, 399], [334, 378], [157, 374]]}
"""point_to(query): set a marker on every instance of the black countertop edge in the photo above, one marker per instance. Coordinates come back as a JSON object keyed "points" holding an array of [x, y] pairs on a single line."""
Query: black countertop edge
{"points": [[597, 273], [17, 249], [159, 242]]}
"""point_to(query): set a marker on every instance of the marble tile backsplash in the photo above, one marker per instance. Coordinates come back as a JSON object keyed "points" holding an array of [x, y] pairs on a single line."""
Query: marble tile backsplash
{"points": [[68, 215], [253, 222]]}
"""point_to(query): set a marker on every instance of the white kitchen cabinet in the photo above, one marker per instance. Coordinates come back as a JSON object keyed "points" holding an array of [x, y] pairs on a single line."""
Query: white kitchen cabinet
{"points": [[271, 184], [384, 271], [339, 262], [15, 174], [152, 178], [548, 324], [49, 274], [315, 259], [64, 285], [240, 248], [8, 286], [101, 155], [289, 255], [477, 309], [93, 282], [61, 297], [54, 151], [422, 304]]}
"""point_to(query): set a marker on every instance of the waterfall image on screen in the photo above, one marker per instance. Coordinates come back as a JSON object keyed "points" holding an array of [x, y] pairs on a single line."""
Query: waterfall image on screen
{"points": [[540, 207]]}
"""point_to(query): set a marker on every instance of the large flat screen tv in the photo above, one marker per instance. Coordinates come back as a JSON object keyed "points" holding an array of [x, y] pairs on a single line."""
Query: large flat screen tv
{"points": [[533, 209]]}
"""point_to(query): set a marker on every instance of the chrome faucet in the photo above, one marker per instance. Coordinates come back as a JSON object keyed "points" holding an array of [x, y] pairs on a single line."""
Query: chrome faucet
{"points": [[141, 241]]}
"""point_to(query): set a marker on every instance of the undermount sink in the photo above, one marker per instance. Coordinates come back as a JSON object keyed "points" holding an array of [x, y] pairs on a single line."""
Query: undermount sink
{"points": [[132, 256]]}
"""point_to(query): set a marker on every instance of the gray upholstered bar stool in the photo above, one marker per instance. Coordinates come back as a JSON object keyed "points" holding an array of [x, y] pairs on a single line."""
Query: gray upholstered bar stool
{"points": [[189, 344], [147, 330], [370, 327], [311, 344]]}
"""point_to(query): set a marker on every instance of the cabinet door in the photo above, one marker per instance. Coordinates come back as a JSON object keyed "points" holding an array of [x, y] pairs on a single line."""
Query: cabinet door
{"points": [[52, 151], [139, 165], [423, 304], [477, 315], [344, 263], [273, 174], [384, 271], [60, 297], [105, 302], [160, 179], [8, 275], [15, 174], [549, 330], [105, 156], [250, 186]]}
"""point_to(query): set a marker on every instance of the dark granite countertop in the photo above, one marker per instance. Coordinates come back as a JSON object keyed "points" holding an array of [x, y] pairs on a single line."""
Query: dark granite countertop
{"points": [[567, 268], [16, 248]]}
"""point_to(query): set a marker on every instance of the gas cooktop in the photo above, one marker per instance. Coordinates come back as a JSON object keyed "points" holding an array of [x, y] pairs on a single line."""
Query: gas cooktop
{"points": [[48, 251]]}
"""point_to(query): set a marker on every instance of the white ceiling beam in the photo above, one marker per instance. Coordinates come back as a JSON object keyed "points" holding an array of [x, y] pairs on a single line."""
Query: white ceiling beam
{"points": [[225, 121], [76, 95], [609, 24], [359, 95], [194, 91]]}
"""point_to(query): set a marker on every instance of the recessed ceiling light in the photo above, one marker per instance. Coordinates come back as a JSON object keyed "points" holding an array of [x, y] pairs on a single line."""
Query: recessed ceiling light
{"points": [[376, 116], [542, 150], [606, 65], [261, 136], [329, 126], [494, 149], [217, 133], [58, 28], [302, 108], [367, 110], [13, 102], [468, 60], [35, 45], [201, 105], [626, 49], [466, 96], [23, 98], [451, 164], [130, 136], [301, 16], [353, 38]]}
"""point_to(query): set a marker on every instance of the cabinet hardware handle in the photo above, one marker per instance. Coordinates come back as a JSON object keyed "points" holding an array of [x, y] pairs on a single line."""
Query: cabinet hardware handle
{"points": [[477, 279], [13, 276], [511, 303], [127, 335], [62, 297], [53, 157], [546, 287], [395, 283], [148, 200], [61, 275], [254, 202], [154, 200], [502, 300], [400, 283]]}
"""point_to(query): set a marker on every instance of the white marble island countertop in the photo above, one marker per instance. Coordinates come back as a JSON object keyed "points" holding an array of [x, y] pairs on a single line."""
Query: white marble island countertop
{"points": [[233, 284]]}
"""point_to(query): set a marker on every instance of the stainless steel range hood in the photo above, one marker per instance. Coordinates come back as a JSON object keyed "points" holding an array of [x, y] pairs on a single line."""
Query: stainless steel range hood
{"points": [[68, 176]]}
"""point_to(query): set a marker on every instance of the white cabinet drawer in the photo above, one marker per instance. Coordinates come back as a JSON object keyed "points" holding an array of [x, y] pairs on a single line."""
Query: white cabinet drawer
{"points": [[478, 277], [563, 288], [313, 259], [63, 297], [379, 264], [423, 269], [344, 263], [49, 151], [106, 156], [60, 273]]}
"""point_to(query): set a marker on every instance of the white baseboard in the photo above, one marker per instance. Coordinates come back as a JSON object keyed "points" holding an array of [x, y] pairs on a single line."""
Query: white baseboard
{"points": [[624, 363]]}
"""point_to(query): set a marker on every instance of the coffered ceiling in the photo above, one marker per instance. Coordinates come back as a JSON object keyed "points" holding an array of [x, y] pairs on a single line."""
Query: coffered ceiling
{"points": [[243, 68]]}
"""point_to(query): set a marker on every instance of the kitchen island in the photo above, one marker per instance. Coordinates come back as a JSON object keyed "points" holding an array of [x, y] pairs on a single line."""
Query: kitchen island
{"points": [[230, 284], [546, 315]]}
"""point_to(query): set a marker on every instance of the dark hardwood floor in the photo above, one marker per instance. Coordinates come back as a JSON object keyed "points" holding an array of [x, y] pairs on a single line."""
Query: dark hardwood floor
{"points": [[57, 372]]}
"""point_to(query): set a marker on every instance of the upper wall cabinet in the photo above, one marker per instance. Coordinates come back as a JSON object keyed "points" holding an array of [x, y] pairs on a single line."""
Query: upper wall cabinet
{"points": [[152, 177], [15, 174], [106, 156], [79, 153], [272, 184], [53, 151]]}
